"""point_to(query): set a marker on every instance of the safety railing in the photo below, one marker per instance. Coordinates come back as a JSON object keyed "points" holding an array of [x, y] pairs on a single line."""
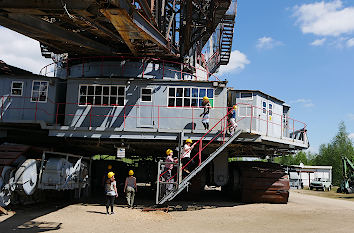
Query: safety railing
{"points": [[103, 65], [255, 119]]}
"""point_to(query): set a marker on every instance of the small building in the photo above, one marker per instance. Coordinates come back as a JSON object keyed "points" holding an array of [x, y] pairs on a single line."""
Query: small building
{"points": [[309, 173]]}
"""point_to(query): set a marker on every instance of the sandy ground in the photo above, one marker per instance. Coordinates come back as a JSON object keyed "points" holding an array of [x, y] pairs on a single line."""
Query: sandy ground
{"points": [[303, 213]]}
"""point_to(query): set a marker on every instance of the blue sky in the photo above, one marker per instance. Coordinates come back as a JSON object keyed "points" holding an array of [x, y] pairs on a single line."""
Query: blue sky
{"points": [[299, 51], [303, 53]]}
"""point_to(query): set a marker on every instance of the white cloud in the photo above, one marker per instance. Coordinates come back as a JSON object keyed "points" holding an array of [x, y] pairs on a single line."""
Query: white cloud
{"points": [[350, 42], [351, 116], [325, 18], [351, 136], [21, 51], [267, 43], [318, 42], [305, 102], [237, 62]]}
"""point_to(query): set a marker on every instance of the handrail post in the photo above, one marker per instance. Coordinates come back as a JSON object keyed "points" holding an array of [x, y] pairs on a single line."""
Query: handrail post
{"points": [[124, 117], [200, 152]]}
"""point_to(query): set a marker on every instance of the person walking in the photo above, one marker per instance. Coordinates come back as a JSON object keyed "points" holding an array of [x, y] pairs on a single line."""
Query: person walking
{"points": [[233, 120], [186, 155], [168, 168], [130, 188], [206, 106], [111, 192]]}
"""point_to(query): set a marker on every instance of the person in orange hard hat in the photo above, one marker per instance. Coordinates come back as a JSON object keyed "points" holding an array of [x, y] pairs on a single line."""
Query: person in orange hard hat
{"points": [[130, 188], [111, 192]]}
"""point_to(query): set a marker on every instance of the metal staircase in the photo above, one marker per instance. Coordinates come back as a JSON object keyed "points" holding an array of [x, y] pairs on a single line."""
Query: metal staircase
{"points": [[179, 187], [226, 39]]}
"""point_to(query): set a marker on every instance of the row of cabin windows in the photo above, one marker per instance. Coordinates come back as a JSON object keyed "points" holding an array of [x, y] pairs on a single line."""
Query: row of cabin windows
{"points": [[189, 97], [39, 91]]}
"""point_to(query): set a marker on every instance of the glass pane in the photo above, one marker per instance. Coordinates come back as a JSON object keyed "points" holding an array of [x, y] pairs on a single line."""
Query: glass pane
{"points": [[106, 90], [200, 103], [146, 98], [82, 100], [202, 92], [187, 92], [210, 93], [16, 85], [246, 95], [105, 100], [44, 83], [35, 96], [98, 90], [270, 112], [43, 87], [113, 90], [43, 97], [16, 92], [36, 86], [121, 101], [264, 110], [113, 100], [187, 102], [91, 90], [194, 92], [179, 102], [121, 91], [270, 106], [145, 91], [98, 100], [264, 104], [83, 90], [179, 92], [89, 99], [171, 102], [194, 102], [171, 92]]}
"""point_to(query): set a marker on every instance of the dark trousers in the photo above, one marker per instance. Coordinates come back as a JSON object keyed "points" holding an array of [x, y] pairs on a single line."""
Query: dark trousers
{"points": [[109, 202]]}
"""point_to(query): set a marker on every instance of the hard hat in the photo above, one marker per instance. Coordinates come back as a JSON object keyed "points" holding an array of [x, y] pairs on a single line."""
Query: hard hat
{"points": [[168, 152], [109, 167], [205, 98], [110, 175], [235, 107], [131, 172], [189, 140]]}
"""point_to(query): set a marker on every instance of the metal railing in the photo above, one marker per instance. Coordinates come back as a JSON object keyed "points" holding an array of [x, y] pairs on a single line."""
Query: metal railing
{"points": [[177, 68], [270, 124]]}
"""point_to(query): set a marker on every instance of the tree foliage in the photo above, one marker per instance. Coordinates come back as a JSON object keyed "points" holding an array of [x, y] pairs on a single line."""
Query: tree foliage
{"points": [[329, 154]]}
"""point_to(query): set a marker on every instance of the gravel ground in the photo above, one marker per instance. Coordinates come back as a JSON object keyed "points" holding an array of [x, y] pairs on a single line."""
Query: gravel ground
{"points": [[303, 213]]}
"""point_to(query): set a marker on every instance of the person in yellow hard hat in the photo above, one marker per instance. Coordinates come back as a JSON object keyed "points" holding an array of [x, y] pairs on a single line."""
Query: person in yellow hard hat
{"points": [[168, 168], [130, 188], [111, 191], [233, 120], [186, 155], [206, 106]]}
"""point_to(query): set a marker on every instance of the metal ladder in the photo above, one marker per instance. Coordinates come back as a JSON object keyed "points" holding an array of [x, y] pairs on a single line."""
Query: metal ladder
{"points": [[185, 182], [226, 39]]}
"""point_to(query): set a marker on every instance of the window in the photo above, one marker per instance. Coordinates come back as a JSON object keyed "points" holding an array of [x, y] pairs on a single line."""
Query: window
{"points": [[270, 109], [189, 97], [246, 95], [264, 105], [16, 88], [39, 91], [101, 95], [146, 95], [245, 111]]}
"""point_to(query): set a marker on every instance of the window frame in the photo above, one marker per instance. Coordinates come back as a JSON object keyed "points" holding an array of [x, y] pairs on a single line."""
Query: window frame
{"points": [[246, 107], [249, 92], [46, 92], [141, 94], [12, 88], [101, 95], [190, 96]]}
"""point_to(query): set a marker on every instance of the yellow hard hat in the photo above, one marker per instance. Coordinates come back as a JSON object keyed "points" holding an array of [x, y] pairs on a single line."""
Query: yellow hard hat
{"points": [[109, 167], [235, 107], [110, 175], [205, 98], [168, 152], [189, 140], [131, 172]]}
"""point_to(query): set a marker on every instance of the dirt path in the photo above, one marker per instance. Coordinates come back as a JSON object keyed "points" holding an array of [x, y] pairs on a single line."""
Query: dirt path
{"points": [[302, 213]]}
